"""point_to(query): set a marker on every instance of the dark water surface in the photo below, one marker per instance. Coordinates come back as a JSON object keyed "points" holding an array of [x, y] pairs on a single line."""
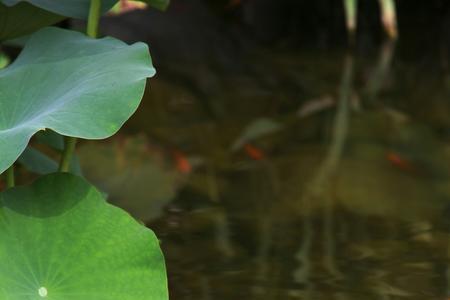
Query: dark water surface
{"points": [[288, 174], [310, 175]]}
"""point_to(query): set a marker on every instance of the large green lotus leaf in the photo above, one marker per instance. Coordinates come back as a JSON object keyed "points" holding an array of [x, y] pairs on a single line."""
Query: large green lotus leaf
{"points": [[69, 8], [72, 84], [59, 240], [23, 19]]}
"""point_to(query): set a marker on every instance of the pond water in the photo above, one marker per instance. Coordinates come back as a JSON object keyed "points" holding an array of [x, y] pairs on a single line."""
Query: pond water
{"points": [[289, 173], [317, 175]]}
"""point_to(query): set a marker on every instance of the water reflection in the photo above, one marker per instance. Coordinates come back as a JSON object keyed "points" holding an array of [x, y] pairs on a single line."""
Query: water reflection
{"points": [[333, 184]]}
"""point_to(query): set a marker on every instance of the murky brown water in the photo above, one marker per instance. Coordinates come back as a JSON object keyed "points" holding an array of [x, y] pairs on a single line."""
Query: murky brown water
{"points": [[310, 176]]}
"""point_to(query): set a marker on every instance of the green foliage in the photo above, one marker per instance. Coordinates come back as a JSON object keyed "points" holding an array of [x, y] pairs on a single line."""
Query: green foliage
{"points": [[39, 163], [4, 60], [51, 139], [23, 19], [68, 8], [60, 238], [19, 17], [88, 90]]}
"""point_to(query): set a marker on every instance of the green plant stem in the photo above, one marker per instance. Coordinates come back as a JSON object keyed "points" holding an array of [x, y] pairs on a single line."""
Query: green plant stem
{"points": [[94, 18], [389, 18], [92, 31], [10, 182], [350, 7], [69, 148]]}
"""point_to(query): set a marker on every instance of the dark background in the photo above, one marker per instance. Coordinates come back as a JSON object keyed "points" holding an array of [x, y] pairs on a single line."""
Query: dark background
{"points": [[192, 29]]}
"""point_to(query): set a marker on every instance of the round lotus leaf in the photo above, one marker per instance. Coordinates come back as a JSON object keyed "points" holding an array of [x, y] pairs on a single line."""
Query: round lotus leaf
{"points": [[23, 19], [69, 8], [72, 84], [60, 240]]}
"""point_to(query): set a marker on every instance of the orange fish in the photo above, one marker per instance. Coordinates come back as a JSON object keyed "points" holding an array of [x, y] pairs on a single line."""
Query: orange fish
{"points": [[182, 163], [253, 152], [400, 162]]}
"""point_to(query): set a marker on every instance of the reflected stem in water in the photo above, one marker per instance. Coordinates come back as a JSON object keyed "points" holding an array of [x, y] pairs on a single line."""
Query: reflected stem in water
{"points": [[303, 272], [381, 71], [332, 161]]}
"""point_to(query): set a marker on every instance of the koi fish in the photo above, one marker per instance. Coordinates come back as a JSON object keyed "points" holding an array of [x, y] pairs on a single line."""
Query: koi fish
{"points": [[253, 152], [398, 161], [182, 163]]}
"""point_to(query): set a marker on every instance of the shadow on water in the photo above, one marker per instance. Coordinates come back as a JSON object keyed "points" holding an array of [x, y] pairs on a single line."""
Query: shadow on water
{"points": [[292, 175]]}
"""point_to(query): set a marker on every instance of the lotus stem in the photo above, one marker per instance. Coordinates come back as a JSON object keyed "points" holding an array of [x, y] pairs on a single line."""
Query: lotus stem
{"points": [[69, 149], [94, 18], [92, 31], [10, 181], [389, 18], [350, 7]]}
